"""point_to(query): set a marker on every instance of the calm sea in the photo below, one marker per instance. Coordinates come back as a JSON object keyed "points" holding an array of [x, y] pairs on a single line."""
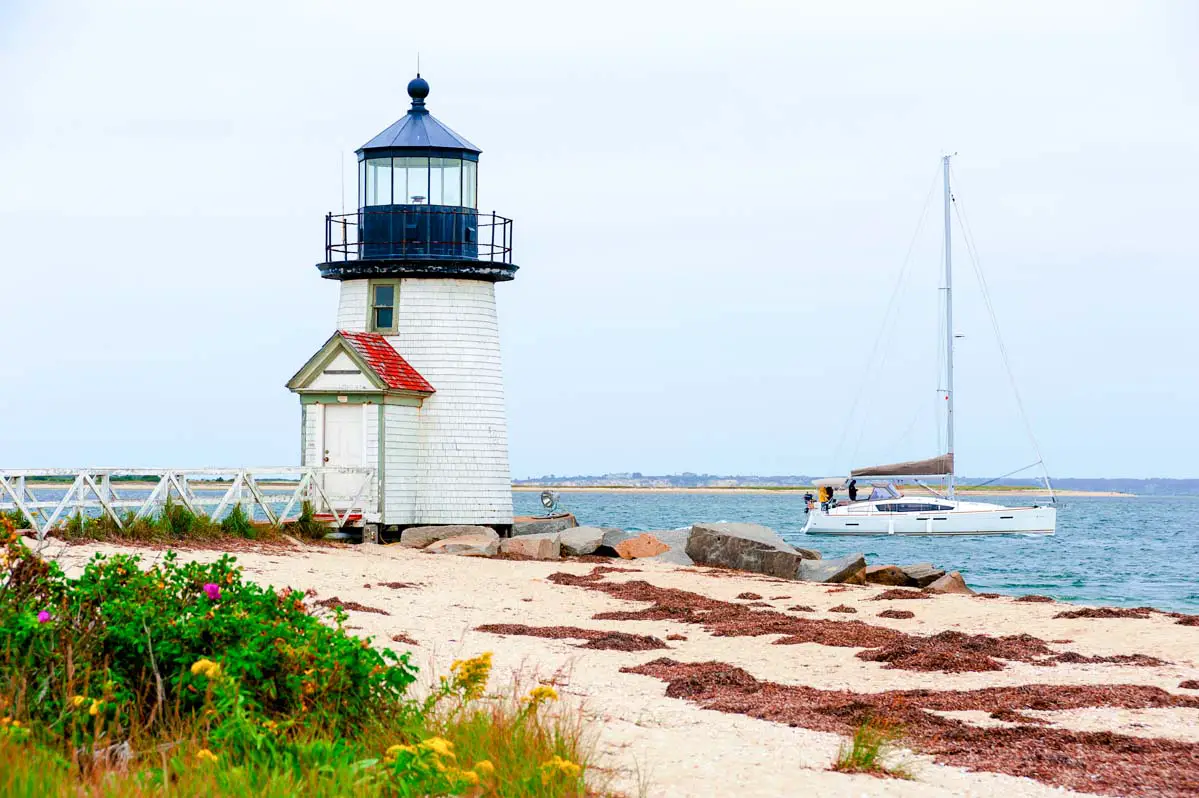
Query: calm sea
{"points": [[1119, 551]]}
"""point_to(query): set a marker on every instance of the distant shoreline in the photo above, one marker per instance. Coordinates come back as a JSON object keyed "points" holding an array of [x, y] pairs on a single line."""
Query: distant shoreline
{"points": [[999, 491]]}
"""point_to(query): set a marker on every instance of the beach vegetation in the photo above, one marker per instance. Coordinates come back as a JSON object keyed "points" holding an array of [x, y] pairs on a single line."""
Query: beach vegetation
{"points": [[135, 678], [871, 749], [16, 518]]}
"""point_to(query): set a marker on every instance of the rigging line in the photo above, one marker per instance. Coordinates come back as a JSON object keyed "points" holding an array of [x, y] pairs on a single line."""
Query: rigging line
{"points": [[960, 212], [891, 305], [1009, 474]]}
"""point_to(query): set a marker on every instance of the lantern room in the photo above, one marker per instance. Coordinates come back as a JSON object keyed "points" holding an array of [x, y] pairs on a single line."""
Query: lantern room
{"points": [[418, 207]]}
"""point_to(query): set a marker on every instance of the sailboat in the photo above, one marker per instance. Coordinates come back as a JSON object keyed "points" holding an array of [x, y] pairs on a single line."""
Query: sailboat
{"points": [[887, 511]]}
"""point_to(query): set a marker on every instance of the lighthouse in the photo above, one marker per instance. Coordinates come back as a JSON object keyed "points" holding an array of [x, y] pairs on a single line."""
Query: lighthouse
{"points": [[410, 383]]}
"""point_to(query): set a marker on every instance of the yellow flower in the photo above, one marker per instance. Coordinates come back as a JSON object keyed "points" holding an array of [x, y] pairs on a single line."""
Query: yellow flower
{"points": [[557, 766], [469, 776], [78, 701], [206, 667], [204, 755], [95, 708], [396, 749], [542, 693], [484, 768], [470, 676], [439, 746]]}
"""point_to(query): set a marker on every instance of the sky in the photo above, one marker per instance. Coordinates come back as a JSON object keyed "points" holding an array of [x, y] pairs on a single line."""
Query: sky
{"points": [[713, 204]]}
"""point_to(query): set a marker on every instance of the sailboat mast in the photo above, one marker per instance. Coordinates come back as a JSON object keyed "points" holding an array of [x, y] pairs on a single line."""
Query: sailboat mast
{"points": [[948, 323]]}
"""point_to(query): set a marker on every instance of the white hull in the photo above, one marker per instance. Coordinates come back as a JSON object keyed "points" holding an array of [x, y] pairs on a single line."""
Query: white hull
{"points": [[949, 518]]}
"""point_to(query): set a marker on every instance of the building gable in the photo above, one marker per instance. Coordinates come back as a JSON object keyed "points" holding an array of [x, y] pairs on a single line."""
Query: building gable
{"points": [[358, 363]]}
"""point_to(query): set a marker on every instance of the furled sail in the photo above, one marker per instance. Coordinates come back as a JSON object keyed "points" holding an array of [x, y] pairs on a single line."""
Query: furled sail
{"points": [[934, 466]]}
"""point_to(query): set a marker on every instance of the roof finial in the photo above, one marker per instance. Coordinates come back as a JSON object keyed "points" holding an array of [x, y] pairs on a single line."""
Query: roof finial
{"points": [[418, 90]]}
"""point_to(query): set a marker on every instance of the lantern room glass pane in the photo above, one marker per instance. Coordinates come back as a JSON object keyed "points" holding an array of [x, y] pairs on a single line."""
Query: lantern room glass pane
{"points": [[451, 181], [417, 190], [361, 183], [469, 178], [435, 187], [378, 181]]}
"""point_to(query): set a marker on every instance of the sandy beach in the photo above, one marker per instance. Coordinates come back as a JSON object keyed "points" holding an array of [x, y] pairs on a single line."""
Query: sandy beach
{"points": [[653, 744]]}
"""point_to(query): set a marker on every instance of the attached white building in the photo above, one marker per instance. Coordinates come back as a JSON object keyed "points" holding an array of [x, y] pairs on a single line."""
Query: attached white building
{"points": [[412, 383]]}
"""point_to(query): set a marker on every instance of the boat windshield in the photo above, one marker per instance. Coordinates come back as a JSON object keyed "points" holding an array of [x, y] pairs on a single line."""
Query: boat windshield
{"points": [[887, 491]]}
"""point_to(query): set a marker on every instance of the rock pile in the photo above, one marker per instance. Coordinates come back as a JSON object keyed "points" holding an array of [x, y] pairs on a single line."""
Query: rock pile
{"points": [[736, 546]]}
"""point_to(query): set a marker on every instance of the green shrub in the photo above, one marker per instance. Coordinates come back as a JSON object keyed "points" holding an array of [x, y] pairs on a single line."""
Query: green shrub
{"points": [[17, 518], [187, 679], [238, 524], [306, 526], [146, 627]]}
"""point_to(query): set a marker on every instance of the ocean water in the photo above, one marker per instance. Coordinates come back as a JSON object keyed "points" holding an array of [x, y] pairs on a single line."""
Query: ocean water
{"points": [[1117, 551]]}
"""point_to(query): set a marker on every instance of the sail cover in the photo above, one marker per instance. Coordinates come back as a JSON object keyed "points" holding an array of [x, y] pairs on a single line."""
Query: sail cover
{"points": [[934, 466]]}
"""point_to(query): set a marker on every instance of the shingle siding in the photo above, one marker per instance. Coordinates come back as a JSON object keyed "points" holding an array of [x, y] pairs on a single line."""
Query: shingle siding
{"points": [[448, 461]]}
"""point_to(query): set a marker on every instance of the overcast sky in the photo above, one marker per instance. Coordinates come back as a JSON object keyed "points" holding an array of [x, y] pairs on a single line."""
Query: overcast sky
{"points": [[713, 202]]}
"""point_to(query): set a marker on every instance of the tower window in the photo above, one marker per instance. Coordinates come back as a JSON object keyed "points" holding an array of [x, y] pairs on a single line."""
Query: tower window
{"points": [[383, 296]]}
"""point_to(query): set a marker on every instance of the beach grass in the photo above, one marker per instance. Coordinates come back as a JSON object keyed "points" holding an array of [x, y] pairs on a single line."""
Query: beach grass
{"points": [[873, 742]]}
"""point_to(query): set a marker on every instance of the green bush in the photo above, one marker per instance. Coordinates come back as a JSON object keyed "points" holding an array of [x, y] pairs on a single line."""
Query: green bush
{"points": [[213, 685], [148, 627], [238, 524]]}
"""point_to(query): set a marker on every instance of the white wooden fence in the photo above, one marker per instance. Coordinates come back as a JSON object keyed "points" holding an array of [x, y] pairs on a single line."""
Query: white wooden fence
{"points": [[338, 494]]}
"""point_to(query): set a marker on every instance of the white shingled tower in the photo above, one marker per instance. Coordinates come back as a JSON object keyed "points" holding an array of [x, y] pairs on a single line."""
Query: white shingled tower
{"points": [[412, 382]]}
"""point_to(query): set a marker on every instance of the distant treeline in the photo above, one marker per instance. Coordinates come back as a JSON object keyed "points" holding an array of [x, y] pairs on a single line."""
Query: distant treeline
{"points": [[1140, 487]]}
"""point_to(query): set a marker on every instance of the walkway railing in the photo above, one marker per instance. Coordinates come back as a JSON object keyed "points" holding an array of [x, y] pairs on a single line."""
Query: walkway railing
{"points": [[49, 497]]}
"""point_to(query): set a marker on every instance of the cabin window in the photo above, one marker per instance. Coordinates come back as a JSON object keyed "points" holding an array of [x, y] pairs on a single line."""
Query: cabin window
{"points": [[911, 508], [384, 304]]}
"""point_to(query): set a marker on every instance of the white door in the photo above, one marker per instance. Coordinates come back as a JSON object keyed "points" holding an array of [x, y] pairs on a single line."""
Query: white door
{"points": [[343, 447]]}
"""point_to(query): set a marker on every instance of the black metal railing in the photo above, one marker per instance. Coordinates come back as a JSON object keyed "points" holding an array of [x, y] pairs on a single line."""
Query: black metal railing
{"points": [[418, 233]]}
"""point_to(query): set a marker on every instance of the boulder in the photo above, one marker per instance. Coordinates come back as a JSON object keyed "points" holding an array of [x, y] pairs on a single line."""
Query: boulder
{"points": [[466, 545], [952, 582], [418, 537], [922, 574], [581, 540], [644, 545], [613, 537], [746, 547], [849, 570], [676, 539], [891, 575], [542, 525], [808, 554], [537, 547]]}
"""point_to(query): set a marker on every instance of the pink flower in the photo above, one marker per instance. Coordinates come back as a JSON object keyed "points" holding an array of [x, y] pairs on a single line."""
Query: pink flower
{"points": [[43, 617], [213, 591]]}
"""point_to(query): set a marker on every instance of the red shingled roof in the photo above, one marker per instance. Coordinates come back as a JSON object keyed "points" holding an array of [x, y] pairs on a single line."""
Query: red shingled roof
{"points": [[386, 362]]}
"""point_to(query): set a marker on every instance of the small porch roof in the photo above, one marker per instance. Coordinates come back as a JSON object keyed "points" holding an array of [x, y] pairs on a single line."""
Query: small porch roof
{"points": [[382, 365]]}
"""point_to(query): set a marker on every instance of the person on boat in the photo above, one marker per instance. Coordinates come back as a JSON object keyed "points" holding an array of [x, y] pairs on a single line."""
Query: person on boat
{"points": [[853, 490]]}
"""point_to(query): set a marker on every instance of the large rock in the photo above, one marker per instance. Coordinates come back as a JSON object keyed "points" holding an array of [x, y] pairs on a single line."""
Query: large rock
{"points": [[644, 545], [542, 525], [952, 582], [849, 570], [418, 537], [676, 539], [922, 574], [582, 540], [466, 545], [746, 547], [536, 547], [891, 575]]}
